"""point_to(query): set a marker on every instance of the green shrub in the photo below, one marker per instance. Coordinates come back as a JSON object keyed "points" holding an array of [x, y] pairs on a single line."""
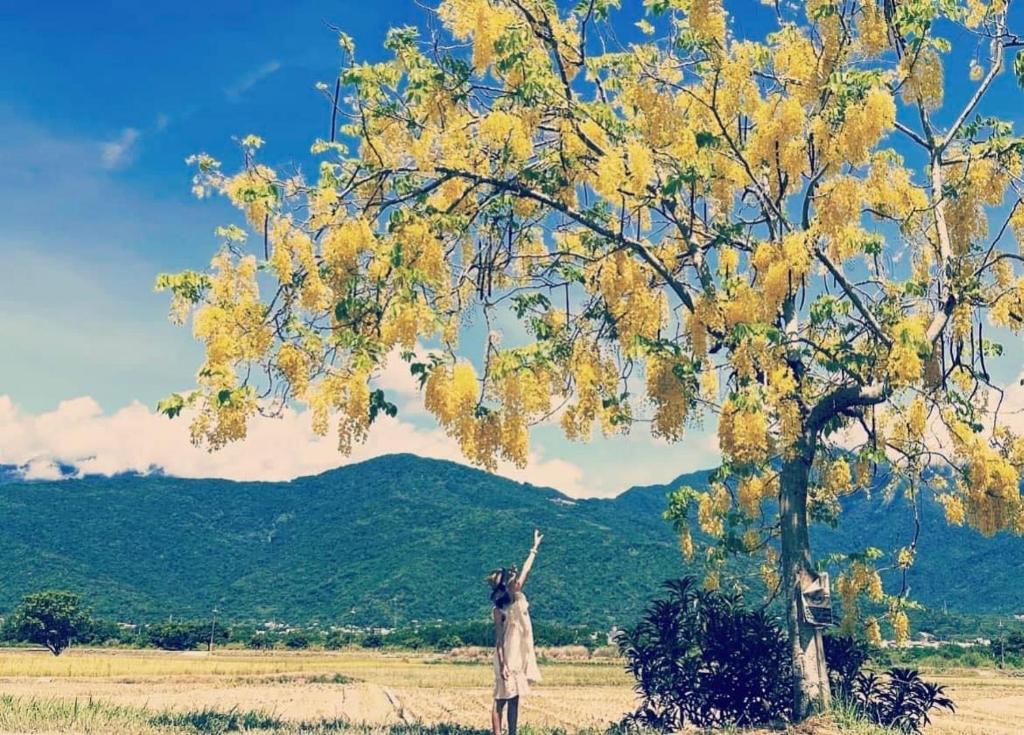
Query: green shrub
{"points": [[901, 701], [701, 658]]}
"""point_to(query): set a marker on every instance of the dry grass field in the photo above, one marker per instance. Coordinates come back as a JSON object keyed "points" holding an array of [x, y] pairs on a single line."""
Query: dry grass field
{"points": [[148, 692]]}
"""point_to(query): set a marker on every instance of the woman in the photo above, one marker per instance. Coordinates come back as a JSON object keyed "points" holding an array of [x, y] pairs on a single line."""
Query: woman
{"points": [[515, 661]]}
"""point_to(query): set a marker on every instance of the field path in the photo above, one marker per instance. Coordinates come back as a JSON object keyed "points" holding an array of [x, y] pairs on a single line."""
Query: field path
{"points": [[984, 706], [358, 702]]}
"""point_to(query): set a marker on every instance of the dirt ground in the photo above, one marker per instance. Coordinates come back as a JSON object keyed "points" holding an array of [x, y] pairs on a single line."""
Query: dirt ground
{"points": [[382, 689]]}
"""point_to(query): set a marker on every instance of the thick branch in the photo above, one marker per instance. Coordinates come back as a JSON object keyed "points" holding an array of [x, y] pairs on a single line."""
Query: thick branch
{"points": [[854, 297], [842, 400]]}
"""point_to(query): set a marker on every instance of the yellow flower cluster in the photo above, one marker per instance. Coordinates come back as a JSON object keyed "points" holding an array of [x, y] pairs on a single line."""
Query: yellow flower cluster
{"points": [[858, 579], [232, 326], [989, 499], [889, 190], [594, 378], [523, 389], [769, 570], [424, 251], [874, 32], [837, 213], [293, 254], [863, 126], [712, 506], [872, 631], [956, 513], [407, 318], [753, 490], [481, 20], [837, 479], [665, 122], [348, 394], [923, 78], [640, 164], [905, 364], [779, 138], [253, 192], [342, 245], [505, 132], [707, 21], [637, 309], [780, 267], [978, 10], [669, 395], [452, 395], [294, 364], [796, 64], [610, 175], [743, 433], [686, 543], [900, 626]]}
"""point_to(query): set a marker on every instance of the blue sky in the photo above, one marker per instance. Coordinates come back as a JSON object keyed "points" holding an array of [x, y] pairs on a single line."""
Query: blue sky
{"points": [[100, 103]]}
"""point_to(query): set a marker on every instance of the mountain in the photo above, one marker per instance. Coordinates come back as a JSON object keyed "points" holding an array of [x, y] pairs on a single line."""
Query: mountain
{"points": [[401, 538]]}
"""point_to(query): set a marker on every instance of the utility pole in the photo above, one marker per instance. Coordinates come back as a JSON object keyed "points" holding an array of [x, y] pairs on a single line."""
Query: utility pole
{"points": [[213, 627]]}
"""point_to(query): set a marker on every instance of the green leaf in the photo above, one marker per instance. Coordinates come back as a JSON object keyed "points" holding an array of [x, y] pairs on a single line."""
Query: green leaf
{"points": [[171, 406], [378, 405]]}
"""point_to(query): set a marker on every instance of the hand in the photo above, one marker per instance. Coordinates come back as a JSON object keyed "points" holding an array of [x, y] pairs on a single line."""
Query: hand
{"points": [[505, 673], [537, 538]]}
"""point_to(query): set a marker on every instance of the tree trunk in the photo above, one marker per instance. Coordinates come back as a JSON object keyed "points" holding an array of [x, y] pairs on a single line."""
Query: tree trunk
{"points": [[810, 676]]}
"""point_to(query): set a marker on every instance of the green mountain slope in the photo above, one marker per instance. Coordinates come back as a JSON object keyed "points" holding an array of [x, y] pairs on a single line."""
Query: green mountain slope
{"points": [[401, 538]]}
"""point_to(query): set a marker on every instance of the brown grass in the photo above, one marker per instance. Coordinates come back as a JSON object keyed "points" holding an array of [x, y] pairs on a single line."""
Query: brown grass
{"points": [[388, 688]]}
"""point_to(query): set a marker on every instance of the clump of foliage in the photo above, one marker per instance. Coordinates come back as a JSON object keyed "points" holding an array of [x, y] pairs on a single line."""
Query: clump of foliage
{"points": [[901, 700], [701, 658], [845, 657], [184, 635], [51, 618]]}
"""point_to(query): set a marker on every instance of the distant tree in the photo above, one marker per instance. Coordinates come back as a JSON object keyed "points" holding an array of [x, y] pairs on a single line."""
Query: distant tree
{"points": [[52, 618], [297, 640], [260, 640], [788, 225], [338, 639], [178, 636]]}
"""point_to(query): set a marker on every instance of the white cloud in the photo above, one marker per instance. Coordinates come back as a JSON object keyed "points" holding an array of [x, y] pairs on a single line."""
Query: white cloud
{"points": [[135, 439], [251, 79], [121, 151]]}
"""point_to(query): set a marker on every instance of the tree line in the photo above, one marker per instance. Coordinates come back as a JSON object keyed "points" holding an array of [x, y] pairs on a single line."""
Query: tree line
{"points": [[56, 619]]}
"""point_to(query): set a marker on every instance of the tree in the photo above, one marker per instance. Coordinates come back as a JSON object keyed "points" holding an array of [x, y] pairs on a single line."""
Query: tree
{"points": [[786, 230], [52, 618], [182, 635]]}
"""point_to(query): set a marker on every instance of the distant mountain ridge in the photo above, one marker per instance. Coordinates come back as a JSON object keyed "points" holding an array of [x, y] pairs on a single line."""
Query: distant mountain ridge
{"points": [[401, 538]]}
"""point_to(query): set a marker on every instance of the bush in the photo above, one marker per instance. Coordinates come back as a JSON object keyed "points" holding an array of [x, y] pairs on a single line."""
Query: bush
{"points": [[181, 636], [259, 641], [297, 640], [338, 639], [701, 658], [844, 657], [901, 701]]}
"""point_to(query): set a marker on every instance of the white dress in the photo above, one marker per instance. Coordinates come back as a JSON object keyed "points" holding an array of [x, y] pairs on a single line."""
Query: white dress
{"points": [[520, 656]]}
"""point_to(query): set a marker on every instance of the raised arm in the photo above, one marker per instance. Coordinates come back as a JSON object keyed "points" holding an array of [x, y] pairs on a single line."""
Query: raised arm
{"points": [[528, 564]]}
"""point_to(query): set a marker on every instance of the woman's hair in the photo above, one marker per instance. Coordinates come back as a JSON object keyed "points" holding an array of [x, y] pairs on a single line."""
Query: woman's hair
{"points": [[499, 580]]}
